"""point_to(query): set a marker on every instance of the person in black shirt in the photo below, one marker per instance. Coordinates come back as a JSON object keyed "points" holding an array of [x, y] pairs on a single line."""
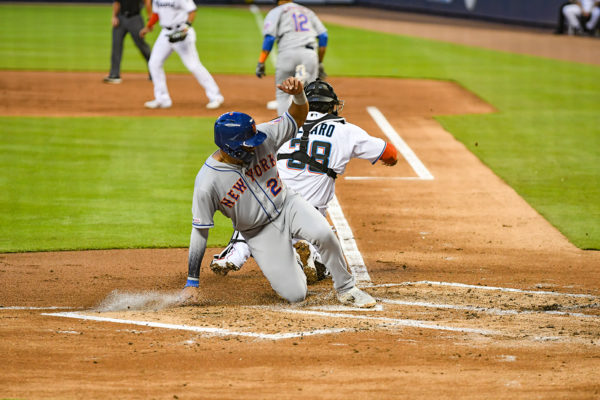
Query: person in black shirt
{"points": [[126, 18]]}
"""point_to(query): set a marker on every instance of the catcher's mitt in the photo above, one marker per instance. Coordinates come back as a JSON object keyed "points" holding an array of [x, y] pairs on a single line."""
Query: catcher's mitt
{"points": [[179, 34]]}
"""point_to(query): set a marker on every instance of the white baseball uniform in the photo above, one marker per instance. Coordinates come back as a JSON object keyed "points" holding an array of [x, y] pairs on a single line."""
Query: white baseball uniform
{"points": [[172, 16], [267, 214], [572, 12], [295, 28], [332, 142]]}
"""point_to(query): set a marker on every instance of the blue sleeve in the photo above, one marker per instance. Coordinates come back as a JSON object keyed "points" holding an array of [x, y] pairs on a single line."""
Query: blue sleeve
{"points": [[323, 39], [268, 42]]}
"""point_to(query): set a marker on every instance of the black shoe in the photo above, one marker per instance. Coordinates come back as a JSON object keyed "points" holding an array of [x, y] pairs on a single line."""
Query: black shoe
{"points": [[112, 79]]}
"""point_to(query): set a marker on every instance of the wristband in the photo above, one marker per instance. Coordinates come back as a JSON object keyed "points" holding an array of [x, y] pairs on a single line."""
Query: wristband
{"points": [[194, 282], [299, 99], [153, 20], [263, 56]]}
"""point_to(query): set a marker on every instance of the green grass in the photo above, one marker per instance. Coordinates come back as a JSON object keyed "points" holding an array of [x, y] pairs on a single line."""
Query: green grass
{"points": [[544, 140], [78, 38], [83, 183]]}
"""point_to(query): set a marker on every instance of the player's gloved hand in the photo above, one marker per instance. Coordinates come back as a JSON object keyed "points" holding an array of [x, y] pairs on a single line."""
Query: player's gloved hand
{"points": [[178, 35], [260, 69], [322, 74]]}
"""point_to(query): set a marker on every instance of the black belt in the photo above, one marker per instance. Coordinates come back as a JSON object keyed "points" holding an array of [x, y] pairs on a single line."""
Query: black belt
{"points": [[128, 14], [173, 27], [309, 46]]}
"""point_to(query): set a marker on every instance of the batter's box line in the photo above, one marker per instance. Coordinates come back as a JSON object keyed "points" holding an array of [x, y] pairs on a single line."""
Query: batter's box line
{"points": [[494, 288], [202, 329], [492, 311], [391, 321]]}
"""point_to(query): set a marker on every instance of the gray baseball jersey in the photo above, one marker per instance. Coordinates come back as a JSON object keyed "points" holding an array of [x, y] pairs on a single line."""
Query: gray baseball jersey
{"points": [[252, 195], [295, 28], [268, 215]]}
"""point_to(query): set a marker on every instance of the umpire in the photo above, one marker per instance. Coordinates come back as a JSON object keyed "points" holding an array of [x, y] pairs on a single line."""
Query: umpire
{"points": [[126, 18]]}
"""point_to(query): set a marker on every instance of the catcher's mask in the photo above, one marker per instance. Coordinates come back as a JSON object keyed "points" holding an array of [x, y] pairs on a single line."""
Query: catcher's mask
{"points": [[322, 98], [235, 132]]}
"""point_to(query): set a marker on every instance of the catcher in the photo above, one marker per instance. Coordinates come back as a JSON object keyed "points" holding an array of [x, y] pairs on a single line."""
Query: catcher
{"points": [[177, 34], [309, 164]]}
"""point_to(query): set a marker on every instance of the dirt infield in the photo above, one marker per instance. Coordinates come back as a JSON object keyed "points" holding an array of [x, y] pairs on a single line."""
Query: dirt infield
{"points": [[480, 297]]}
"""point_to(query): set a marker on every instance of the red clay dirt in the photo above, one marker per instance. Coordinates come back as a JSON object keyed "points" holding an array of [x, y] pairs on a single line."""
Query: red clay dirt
{"points": [[427, 340]]}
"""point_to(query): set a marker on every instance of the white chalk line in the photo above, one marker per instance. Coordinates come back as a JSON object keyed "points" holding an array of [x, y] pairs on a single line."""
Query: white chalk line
{"points": [[493, 311], [381, 178], [389, 131], [349, 247], [38, 308], [200, 329], [333, 312], [260, 22], [501, 289], [393, 321]]}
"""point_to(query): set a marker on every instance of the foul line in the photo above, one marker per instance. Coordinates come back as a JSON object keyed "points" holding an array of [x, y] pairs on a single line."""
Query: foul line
{"points": [[349, 247], [403, 148], [199, 329], [501, 289], [260, 22]]}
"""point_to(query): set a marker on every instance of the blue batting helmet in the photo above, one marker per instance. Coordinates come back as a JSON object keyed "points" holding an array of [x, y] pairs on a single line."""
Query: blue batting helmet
{"points": [[234, 130]]}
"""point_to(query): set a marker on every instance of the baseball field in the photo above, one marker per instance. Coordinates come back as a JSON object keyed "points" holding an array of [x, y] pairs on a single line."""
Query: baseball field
{"points": [[481, 245]]}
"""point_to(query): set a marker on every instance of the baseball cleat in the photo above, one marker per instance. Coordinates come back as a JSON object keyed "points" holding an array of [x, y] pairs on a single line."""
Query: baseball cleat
{"points": [[307, 259], [221, 266], [356, 298], [112, 79], [215, 103], [157, 104], [322, 272]]}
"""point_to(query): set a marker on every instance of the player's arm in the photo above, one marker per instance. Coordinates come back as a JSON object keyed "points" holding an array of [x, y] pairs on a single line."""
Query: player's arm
{"points": [[323, 39], [116, 7], [390, 155], [191, 17], [267, 46], [299, 107], [198, 241], [148, 5], [149, 26]]}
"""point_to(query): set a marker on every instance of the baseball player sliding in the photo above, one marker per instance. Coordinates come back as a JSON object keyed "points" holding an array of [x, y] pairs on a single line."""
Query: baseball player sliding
{"points": [[332, 142], [294, 27], [177, 34], [241, 181]]}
